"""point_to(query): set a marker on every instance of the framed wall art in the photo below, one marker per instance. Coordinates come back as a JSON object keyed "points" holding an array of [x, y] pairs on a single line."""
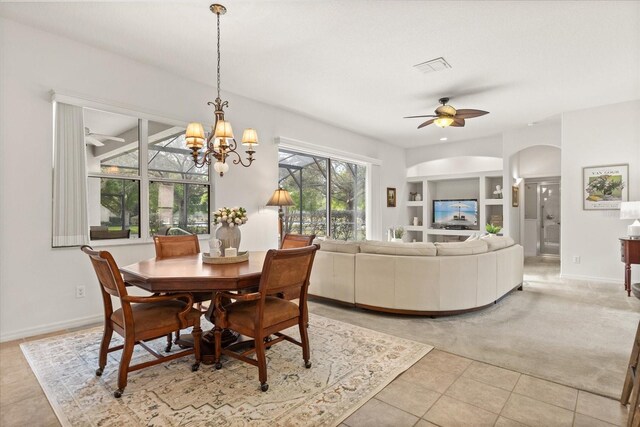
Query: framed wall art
{"points": [[605, 187], [391, 197]]}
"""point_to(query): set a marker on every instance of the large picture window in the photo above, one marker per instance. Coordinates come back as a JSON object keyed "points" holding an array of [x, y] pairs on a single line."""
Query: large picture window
{"points": [[176, 193], [329, 196]]}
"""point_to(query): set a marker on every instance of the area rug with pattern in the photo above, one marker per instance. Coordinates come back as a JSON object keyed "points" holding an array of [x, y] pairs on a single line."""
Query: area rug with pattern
{"points": [[350, 365]]}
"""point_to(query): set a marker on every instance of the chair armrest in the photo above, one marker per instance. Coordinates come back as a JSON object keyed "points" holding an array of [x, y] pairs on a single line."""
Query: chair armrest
{"points": [[239, 297], [220, 314]]}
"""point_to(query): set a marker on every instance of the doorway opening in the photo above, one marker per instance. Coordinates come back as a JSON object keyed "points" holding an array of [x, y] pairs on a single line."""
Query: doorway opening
{"points": [[542, 215]]}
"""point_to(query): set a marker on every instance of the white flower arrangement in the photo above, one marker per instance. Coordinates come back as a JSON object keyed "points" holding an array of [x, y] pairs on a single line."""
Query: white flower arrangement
{"points": [[230, 217]]}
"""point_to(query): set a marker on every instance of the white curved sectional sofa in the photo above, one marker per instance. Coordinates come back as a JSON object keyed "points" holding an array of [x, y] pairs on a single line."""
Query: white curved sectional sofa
{"points": [[417, 278]]}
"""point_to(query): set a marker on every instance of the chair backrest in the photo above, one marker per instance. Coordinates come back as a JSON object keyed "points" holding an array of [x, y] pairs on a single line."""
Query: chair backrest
{"points": [[107, 271], [287, 269], [296, 241], [172, 246]]}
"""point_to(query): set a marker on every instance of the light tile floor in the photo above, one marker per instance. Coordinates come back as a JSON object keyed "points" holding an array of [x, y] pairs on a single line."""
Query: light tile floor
{"points": [[441, 389]]}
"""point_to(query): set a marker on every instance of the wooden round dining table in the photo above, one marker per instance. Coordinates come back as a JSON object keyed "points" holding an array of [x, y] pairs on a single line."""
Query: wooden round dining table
{"points": [[190, 274]]}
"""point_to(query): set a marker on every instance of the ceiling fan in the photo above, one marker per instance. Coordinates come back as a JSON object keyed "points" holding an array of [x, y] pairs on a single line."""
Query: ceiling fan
{"points": [[92, 138], [446, 115]]}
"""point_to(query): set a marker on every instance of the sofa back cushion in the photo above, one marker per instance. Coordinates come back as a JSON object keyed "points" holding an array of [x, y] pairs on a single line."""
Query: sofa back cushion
{"points": [[498, 242], [462, 248], [397, 248], [342, 246]]}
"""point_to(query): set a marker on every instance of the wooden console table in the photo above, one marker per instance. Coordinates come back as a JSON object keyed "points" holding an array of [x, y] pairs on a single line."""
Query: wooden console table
{"points": [[630, 254]]}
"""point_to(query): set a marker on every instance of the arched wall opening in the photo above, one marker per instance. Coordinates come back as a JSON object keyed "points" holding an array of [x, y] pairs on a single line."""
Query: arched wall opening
{"points": [[535, 221]]}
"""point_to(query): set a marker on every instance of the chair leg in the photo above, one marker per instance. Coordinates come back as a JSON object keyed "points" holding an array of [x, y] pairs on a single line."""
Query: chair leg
{"points": [[262, 363], [197, 334], [217, 335], [177, 337], [125, 359], [104, 347], [304, 338], [169, 342]]}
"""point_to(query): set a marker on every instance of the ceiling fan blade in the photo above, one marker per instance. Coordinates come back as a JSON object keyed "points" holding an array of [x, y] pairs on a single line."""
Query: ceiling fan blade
{"points": [[416, 117], [469, 113], [93, 141], [428, 122], [457, 122]]}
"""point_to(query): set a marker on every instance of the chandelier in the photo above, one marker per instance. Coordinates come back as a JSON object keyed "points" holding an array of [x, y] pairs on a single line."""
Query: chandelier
{"points": [[220, 143]]}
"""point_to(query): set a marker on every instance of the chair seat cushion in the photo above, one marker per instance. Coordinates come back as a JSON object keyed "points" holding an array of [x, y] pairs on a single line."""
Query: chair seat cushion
{"points": [[159, 315], [276, 310]]}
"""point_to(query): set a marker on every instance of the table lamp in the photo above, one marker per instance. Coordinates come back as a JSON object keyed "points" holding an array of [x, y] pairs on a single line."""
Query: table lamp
{"points": [[631, 210], [280, 198]]}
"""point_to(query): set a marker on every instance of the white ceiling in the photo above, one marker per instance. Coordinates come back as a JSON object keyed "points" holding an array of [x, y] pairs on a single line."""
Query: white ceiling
{"points": [[349, 63]]}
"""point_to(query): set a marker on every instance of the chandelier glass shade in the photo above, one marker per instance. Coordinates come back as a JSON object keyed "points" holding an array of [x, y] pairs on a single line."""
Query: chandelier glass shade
{"points": [[220, 143]]}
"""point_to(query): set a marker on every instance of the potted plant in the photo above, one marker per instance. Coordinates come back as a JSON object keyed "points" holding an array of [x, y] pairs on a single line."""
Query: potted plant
{"points": [[492, 229]]}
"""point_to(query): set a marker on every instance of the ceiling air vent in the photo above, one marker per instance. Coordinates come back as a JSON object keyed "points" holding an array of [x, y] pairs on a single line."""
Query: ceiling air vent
{"points": [[433, 65]]}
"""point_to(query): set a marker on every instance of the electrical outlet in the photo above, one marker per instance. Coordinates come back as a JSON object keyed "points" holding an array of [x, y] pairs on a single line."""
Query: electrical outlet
{"points": [[80, 291], [576, 259]]}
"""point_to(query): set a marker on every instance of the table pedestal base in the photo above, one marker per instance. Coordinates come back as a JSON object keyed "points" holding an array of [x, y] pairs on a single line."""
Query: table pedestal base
{"points": [[207, 343]]}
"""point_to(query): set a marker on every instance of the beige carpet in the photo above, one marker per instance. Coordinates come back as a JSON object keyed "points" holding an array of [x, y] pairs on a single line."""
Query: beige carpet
{"points": [[573, 332], [350, 365]]}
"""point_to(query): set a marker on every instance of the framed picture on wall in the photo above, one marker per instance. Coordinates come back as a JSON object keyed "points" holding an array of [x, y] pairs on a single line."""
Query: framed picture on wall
{"points": [[515, 196], [391, 197], [605, 187]]}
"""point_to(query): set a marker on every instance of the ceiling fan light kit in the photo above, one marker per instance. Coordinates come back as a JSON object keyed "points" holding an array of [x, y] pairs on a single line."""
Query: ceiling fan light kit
{"points": [[446, 115], [221, 143]]}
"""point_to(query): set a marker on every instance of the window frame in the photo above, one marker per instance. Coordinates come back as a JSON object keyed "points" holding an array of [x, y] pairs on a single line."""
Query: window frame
{"points": [[143, 170], [329, 159]]}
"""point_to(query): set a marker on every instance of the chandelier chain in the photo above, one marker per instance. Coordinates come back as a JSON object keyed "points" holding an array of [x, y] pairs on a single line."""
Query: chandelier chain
{"points": [[218, 18]]}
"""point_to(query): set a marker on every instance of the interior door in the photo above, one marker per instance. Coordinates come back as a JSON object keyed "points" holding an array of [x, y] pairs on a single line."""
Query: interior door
{"points": [[549, 218]]}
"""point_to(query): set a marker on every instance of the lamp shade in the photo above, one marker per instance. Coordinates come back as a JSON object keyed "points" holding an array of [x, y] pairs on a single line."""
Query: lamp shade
{"points": [[443, 122], [630, 210], [250, 136], [194, 136], [280, 197], [223, 129]]}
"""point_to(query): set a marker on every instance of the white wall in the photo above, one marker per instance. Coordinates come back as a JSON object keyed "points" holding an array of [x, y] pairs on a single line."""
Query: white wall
{"points": [[32, 64], [457, 165], [598, 136], [482, 147], [539, 161]]}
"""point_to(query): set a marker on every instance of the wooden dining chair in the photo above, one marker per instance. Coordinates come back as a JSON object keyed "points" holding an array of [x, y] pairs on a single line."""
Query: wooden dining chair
{"points": [[261, 314], [295, 241], [174, 246], [139, 319]]}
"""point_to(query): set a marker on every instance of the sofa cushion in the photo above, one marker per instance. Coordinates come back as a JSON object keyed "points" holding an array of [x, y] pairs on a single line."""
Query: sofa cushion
{"points": [[342, 246], [462, 248], [498, 242], [397, 248]]}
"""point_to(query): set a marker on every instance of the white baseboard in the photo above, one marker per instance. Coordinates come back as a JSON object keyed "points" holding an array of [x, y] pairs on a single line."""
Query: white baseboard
{"points": [[50, 327], [592, 279]]}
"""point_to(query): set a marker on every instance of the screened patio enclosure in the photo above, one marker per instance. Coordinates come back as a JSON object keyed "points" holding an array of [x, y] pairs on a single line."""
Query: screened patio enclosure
{"points": [[329, 196]]}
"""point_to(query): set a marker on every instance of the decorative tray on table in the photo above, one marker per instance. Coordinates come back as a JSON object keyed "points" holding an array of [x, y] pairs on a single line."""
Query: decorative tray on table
{"points": [[208, 259]]}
